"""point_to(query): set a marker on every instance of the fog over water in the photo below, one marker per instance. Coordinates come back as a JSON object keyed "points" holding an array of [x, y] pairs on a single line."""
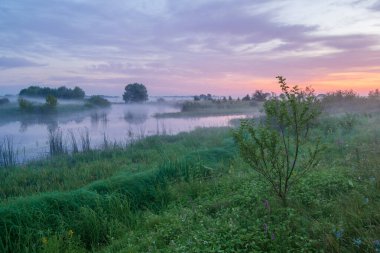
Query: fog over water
{"points": [[122, 123]]}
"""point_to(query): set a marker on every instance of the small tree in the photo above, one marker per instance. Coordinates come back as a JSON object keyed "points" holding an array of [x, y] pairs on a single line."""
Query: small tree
{"points": [[259, 96], [51, 101], [25, 105], [246, 98], [277, 147], [374, 94], [135, 92]]}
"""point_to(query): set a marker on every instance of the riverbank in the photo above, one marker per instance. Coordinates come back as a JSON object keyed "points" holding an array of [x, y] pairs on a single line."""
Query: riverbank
{"points": [[194, 109], [192, 192]]}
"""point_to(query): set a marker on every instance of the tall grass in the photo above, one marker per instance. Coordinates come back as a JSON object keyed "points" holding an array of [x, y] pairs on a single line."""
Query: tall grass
{"points": [[94, 213], [56, 142], [74, 143], [85, 140], [8, 154]]}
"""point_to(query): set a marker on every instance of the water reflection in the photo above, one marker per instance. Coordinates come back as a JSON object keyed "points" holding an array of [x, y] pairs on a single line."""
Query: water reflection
{"points": [[121, 123], [51, 123], [135, 117], [97, 117]]}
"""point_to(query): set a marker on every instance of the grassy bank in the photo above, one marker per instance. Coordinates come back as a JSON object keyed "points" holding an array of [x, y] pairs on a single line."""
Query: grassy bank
{"points": [[214, 108], [193, 193]]}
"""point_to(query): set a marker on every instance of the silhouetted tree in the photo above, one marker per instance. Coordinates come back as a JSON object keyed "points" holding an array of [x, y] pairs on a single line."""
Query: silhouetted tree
{"points": [[246, 98], [135, 92], [259, 96]]}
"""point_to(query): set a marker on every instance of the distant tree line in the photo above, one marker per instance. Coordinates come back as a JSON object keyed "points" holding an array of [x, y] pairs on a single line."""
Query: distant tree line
{"points": [[257, 96], [61, 92]]}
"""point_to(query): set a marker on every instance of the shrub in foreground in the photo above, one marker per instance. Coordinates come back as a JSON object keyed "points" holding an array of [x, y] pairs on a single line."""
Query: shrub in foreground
{"points": [[277, 148]]}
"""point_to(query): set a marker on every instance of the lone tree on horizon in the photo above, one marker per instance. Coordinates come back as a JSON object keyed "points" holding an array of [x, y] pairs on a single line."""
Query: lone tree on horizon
{"points": [[135, 92]]}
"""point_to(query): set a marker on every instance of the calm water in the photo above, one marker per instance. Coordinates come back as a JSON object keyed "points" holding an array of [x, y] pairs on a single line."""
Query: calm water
{"points": [[121, 123]]}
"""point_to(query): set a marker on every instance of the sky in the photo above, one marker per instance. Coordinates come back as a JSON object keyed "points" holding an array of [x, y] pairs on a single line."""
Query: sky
{"points": [[188, 47]]}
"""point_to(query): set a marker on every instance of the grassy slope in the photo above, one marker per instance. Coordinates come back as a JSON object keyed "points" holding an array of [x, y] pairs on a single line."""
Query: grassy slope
{"points": [[192, 193], [334, 209]]}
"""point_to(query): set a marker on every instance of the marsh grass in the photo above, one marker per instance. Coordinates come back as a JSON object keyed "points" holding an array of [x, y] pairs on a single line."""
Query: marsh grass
{"points": [[8, 154], [192, 193], [214, 108], [85, 140], [74, 143], [95, 213], [56, 142]]}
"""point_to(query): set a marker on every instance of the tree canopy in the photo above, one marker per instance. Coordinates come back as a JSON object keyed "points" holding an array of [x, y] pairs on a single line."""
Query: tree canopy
{"points": [[61, 92], [134, 93]]}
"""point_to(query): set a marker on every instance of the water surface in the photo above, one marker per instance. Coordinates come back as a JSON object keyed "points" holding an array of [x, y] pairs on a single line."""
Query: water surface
{"points": [[121, 123]]}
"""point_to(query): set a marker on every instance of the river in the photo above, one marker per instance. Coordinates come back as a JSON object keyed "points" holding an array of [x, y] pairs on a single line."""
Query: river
{"points": [[122, 123]]}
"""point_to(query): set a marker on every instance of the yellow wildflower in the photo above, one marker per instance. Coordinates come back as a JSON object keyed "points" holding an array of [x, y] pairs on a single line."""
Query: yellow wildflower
{"points": [[44, 240], [70, 233]]}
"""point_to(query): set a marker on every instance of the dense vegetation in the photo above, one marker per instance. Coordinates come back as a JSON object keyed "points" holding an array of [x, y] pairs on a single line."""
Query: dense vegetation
{"points": [[29, 107], [215, 107], [193, 193], [279, 147], [135, 93], [97, 101], [61, 92]]}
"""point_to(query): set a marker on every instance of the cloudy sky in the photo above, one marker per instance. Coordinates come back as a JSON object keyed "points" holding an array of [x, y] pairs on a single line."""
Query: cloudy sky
{"points": [[185, 47]]}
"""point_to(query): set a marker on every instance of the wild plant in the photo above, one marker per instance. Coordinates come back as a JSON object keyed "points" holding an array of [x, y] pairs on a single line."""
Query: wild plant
{"points": [[74, 144], [8, 154], [85, 140], [56, 144], [277, 147]]}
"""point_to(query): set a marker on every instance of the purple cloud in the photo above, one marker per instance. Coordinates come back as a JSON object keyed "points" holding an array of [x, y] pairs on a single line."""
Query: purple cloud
{"points": [[15, 62], [168, 43]]}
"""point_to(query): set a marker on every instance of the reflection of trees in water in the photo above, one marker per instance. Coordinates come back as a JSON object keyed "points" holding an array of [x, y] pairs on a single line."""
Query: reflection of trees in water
{"points": [[97, 117], [135, 117], [50, 121]]}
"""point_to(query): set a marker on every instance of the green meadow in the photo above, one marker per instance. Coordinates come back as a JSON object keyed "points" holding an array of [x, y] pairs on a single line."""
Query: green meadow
{"points": [[192, 192]]}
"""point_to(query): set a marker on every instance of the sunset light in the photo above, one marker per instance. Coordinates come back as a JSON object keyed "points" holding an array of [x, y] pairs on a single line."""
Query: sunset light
{"points": [[176, 47]]}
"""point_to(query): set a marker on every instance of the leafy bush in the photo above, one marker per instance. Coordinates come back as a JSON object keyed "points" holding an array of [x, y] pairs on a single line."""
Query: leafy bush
{"points": [[98, 101], [276, 147], [51, 101], [25, 105]]}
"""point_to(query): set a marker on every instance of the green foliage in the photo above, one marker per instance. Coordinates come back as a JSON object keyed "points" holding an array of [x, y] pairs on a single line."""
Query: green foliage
{"points": [[8, 154], [278, 148], [25, 105], [214, 107], [98, 212], [56, 145], [192, 193], [98, 101], [51, 101], [29, 107], [135, 92], [61, 92]]}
